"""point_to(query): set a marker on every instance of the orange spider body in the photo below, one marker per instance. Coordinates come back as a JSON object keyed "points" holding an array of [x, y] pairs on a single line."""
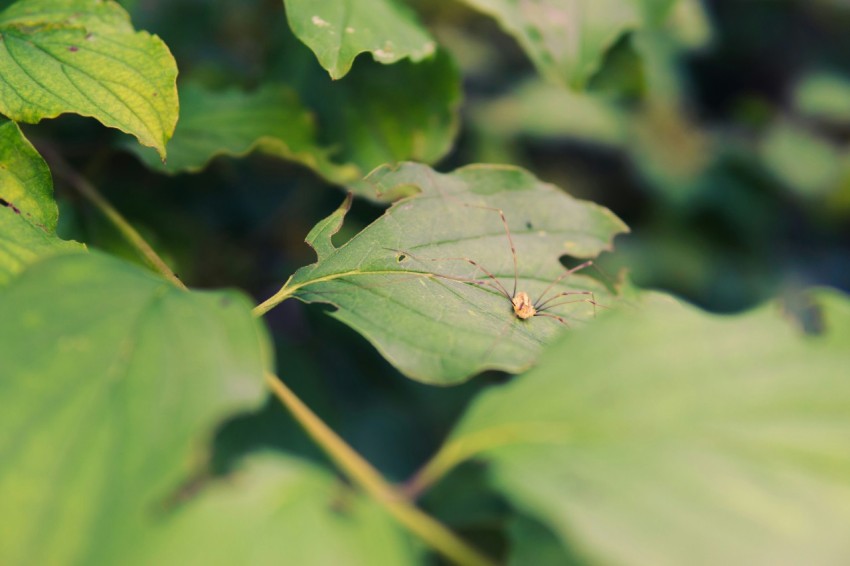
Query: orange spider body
{"points": [[523, 307]]}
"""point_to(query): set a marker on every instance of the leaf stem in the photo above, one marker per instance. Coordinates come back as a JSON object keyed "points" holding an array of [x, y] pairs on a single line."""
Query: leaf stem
{"points": [[284, 293], [458, 450], [88, 190], [370, 480], [433, 470]]}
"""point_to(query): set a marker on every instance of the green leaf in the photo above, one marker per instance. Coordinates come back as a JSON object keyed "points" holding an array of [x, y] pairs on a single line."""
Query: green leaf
{"points": [[28, 213], [688, 22], [824, 96], [83, 56], [544, 110], [376, 115], [276, 510], [715, 440], [805, 161], [532, 543], [270, 120], [379, 115], [338, 30], [112, 383], [25, 181], [439, 319], [22, 243], [567, 40]]}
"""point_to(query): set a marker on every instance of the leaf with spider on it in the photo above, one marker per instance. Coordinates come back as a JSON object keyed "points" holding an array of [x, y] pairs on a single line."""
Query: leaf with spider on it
{"points": [[432, 282]]}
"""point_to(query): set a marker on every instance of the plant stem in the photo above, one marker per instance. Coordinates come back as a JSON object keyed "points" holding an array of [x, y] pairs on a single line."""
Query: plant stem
{"points": [[363, 474], [458, 450], [85, 188], [267, 305], [430, 473]]}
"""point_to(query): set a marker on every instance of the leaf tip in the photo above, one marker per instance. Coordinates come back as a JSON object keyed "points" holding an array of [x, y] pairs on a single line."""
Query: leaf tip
{"points": [[320, 237], [346, 204]]}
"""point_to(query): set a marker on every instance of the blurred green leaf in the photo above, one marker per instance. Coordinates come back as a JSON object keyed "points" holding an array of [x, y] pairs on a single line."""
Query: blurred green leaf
{"points": [[824, 96], [276, 510], [270, 120], [83, 56], [441, 319], [567, 40], [532, 543], [28, 213], [805, 162], [715, 440], [689, 23], [338, 30], [112, 383], [669, 150], [544, 110], [379, 115], [342, 129]]}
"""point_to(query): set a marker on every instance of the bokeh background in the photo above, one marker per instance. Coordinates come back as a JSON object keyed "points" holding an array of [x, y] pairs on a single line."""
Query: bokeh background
{"points": [[723, 142]]}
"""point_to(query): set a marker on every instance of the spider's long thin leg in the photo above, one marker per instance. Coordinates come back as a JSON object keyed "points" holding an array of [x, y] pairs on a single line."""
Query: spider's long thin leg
{"points": [[507, 233], [542, 305], [556, 317], [560, 278], [590, 301], [498, 284]]}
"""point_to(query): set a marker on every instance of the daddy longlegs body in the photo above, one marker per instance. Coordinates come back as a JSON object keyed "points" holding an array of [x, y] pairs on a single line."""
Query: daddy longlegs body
{"points": [[522, 305]]}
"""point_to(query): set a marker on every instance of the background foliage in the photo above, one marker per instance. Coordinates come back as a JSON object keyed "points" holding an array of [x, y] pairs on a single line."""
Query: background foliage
{"points": [[136, 424]]}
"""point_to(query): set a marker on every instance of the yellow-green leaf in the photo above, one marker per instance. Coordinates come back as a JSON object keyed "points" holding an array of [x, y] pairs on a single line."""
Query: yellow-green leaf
{"points": [[25, 181], [28, 213], [83, 57]]}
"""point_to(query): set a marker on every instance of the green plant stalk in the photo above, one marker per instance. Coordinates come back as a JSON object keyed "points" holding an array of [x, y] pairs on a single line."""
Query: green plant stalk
{"points": [[446, 459], [88, 190], [284, 293], [372, 482], [454, 452]]}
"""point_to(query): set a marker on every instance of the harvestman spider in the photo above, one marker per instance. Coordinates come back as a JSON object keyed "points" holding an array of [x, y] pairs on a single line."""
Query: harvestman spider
{"points": [[521, 302]]}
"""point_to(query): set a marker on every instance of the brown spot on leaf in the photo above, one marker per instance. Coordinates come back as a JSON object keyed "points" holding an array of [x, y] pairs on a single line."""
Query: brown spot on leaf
{"points": [[73, 48], [7, 204]]}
